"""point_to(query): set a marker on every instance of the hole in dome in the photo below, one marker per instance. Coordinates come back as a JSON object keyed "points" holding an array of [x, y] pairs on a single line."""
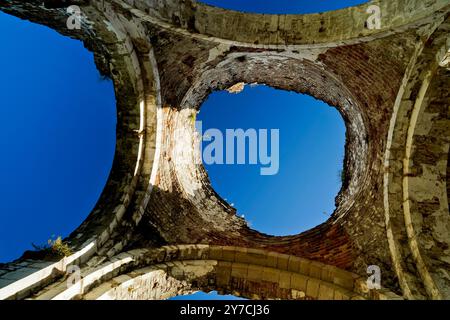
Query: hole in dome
{"points": [[306, 171], [283, 6], [57, 134]]}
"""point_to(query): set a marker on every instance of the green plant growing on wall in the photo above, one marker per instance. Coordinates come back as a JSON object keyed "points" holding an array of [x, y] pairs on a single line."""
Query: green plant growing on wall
{"points": [[56, 247], [59, 247], [193, 117], [341, 175]]}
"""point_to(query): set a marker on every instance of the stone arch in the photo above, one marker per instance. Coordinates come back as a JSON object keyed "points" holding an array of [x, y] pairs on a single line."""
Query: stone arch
{"points": [[186, 169], [130, 66], [416, 164], [339, 27], [326, 74], [425, 199]]}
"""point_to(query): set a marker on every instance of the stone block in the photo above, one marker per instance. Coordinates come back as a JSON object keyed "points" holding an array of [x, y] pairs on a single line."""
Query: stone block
{"points": [[294, 264], [228, 254], [285, 279], [272, 259], [326, 292], [315, 270], [340, 294], [304, 267], [299, 282], [255, 273], [223, 274], [239, 270], [312, 288], [215, 253], [343, 279], [283, 261], [271, 275]]}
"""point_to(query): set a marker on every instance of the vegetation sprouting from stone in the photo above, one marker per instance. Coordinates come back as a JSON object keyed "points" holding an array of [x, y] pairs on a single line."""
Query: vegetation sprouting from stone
{"points": [[55, 247]]}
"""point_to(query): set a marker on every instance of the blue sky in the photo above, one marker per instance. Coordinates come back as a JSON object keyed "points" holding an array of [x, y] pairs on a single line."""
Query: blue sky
{"points": [[213, 295], [283, 6], [57, 136], [312, 137]]}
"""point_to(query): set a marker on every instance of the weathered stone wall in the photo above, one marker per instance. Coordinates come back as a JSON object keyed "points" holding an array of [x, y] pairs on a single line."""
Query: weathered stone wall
{"points": [[165, 57], [170, 270]]}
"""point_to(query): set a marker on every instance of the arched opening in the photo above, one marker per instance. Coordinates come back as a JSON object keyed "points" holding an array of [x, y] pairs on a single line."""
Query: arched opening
{"points": [[172, 271], [283, 6], [199, 207], [58, 131], [276, 156]]}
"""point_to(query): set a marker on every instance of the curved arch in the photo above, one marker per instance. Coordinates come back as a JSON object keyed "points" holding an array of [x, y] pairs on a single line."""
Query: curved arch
{"points": [[415, 163], [137, 96], [253, 273], [328, 29], [425, 203], [183, 177], [281, 71]]}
